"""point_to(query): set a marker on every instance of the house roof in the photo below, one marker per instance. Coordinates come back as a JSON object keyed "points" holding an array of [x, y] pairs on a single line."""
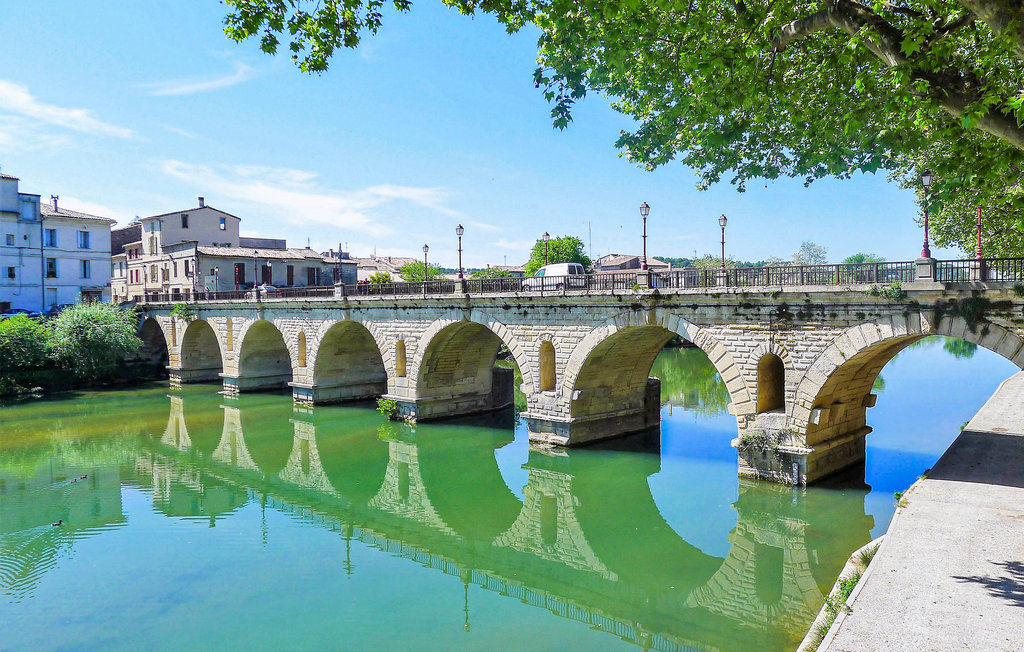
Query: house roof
{"points": [[384, 263], [47, 210], [188, 210], [264, 254], [612, 260], [7, 176]]}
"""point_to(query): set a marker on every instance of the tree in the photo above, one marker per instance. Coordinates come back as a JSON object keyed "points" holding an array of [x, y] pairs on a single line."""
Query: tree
{"points": [[863, 258], [810, 254], [492, 272], [565, 249], [710, 261], [91, 339], [23, 344], [413, 272], [759, 88], [378, 278]]}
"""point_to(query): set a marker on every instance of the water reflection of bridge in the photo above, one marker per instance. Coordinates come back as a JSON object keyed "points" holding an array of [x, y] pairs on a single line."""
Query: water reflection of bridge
{"points": [[587, 541]]}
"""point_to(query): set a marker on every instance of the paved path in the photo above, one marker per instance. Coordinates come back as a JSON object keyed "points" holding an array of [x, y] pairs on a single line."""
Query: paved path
{"points": [[950, 572]]}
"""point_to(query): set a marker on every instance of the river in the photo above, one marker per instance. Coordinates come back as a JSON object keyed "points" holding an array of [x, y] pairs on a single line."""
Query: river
{"points": [[189, 520]]}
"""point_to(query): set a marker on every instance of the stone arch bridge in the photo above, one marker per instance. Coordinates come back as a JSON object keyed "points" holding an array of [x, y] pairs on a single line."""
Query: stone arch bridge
{"points": [[799, 363]]}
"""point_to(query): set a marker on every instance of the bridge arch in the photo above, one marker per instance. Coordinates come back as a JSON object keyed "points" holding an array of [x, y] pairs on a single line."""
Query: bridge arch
{"points": [[348, 364], [264, 359], [834, 394], [155, 349], [200, 357], [606, 375]]}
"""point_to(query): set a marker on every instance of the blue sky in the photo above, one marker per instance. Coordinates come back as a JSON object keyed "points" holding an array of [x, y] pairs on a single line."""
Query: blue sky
{"points": [[124, 110]]}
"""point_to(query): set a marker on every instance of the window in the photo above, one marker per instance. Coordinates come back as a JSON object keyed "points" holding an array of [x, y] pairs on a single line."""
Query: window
{"points": [[223, 224], [188, 272], [771, 383], [175, 268], [10, 239], [84, 240], [184, 220], [86, 269], [152, 273], [51, 268], [50, 238], [547, 366], [11, 272], [152, 244]]}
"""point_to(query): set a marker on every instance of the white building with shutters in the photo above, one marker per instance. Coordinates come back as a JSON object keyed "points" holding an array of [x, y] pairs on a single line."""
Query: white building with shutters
{"points": [[50, 255]]}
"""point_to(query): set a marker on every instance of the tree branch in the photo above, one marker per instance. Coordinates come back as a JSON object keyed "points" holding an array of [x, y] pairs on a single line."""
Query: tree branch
{"points": [[1003, 16], [801, 28]]}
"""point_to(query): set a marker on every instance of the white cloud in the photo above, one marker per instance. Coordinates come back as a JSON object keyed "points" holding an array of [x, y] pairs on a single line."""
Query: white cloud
{"points": [[101, 210], [193, 85], [293, 196], [516, 245], [16, 99], [485, 226]]}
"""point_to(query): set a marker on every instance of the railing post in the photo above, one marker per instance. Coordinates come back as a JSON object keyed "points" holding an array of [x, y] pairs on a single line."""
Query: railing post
{"points": [[924, 269]]}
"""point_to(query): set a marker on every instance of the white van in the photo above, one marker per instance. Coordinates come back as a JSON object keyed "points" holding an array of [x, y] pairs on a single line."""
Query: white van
{"points": [[557, 276]]}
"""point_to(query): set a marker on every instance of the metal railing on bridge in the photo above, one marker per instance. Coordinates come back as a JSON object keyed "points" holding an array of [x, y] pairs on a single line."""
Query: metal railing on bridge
{"points": [[946, 271]]}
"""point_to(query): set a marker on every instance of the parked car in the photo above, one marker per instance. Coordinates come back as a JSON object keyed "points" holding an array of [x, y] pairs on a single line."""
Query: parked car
{"points": [[265, 291], [18, 311], [557, 276]]}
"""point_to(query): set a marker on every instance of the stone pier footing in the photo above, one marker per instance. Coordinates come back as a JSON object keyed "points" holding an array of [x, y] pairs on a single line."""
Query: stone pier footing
{"points": [[179, 377], [792, 463], [431, 408], [320, 394], [579, 431], [234, 385]]}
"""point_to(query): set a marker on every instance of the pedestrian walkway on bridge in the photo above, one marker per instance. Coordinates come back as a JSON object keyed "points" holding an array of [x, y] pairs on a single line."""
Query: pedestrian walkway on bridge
{"points": [[949, 574]]}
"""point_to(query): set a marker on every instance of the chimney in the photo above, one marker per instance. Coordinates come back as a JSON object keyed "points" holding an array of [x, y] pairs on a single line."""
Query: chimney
{"points": [[53, 202], [202, 202]]}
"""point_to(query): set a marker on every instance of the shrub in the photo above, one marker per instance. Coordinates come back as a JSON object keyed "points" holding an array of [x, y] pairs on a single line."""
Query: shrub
{"points": [[378, 278], [23, 344], [91, 339], [184, 312], [388, 407]]}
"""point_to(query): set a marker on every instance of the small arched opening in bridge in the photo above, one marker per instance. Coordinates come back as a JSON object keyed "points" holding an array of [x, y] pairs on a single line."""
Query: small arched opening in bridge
{"points": [[264, 362], [833, 411], [154, 347], [348, 365], [612, 391], [547, 366], [200, 357], [400, 363], [771, 383], [460, 372]]}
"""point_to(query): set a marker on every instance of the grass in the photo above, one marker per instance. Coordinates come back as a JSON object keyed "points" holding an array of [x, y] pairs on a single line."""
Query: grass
{"points": [[833, 605]]}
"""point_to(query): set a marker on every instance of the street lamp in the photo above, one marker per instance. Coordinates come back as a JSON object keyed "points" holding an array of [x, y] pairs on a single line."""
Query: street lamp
{"points": [[216, 279], [426, 273], [256, 272], [977, 254], [645, 210], [459, 230], [722, 221], [547, 237], [270, 273], [926, 181]]}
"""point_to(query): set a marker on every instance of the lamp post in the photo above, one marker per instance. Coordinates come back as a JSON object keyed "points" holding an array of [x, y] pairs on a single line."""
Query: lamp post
{"points": [[977, 254], [256, 272], [426, 272], [926, 181], [459, 230], [216, 279], [270, 273], [547, 237], [645, 210], [722, 221]]}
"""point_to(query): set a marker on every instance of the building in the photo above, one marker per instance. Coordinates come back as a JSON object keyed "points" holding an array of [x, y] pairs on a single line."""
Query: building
{"points": [[393, 265], [625, 262], [200, 250], [50, 255]]}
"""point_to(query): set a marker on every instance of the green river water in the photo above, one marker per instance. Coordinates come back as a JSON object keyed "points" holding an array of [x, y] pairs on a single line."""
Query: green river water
{"points": [[195, 521]]}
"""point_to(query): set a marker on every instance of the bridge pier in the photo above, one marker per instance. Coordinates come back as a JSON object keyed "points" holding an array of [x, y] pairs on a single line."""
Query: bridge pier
{"points": [[235, 385], [479, 400], [582, 430], [179, 376], [322, 393]]}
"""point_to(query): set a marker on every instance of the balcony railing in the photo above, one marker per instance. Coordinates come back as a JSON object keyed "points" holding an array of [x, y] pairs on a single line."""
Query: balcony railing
{"points": [[946, 271]]}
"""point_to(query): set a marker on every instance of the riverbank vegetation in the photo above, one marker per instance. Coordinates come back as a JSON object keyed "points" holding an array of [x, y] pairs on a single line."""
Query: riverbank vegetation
{"points": [[85, 345]]}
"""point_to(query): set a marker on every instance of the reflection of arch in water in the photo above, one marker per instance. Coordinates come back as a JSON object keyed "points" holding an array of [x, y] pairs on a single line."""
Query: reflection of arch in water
{"points": [[463, 481], [269, 434], [353, 456], [403, 492]]}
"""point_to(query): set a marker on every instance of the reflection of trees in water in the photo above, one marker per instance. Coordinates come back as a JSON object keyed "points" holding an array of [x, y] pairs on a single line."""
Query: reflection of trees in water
{"points": [[690, 380], [959, 349]]}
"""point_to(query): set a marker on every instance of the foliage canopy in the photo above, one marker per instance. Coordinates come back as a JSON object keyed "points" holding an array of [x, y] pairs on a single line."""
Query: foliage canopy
{"points": [[564, 249], [759, 89], [91, 339], [413, 272]]}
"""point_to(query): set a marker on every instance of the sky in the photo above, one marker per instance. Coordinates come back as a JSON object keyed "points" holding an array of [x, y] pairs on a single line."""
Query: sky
{"points": [[136, 108]]}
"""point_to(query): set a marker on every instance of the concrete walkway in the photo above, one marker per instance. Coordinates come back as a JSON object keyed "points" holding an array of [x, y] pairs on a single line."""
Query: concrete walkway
{"points": [[949, 574]]}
